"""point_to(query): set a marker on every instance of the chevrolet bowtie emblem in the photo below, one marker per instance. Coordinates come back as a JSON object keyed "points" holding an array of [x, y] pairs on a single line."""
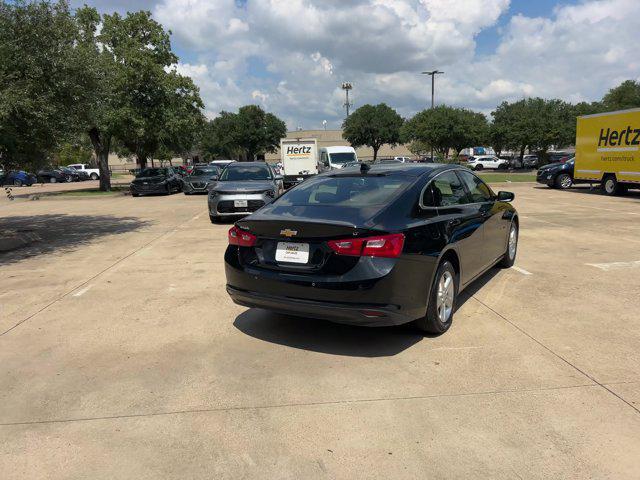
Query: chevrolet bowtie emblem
{"points": [[288, 233]]}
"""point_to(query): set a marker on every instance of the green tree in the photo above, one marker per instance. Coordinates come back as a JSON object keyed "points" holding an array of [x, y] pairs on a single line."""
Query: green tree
{"points": [[134, 100], [535, 123], [373, 126], [243, 135], [445, 128], [36, 94], [69, 153], [624, 96]]}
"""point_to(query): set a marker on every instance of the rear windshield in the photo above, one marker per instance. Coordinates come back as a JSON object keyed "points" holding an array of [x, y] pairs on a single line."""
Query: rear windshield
{"points": [[346, 191], [204, 171], [152, 172], [245, 172]]}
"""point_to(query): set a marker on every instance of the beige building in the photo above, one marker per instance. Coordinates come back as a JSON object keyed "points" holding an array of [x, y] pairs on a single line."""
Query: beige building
{"points": [[329, 138]]}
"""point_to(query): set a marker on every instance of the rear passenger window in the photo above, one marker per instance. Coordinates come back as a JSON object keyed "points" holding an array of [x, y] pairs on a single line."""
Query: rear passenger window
{"points": [[480, 192], [445, 190]]}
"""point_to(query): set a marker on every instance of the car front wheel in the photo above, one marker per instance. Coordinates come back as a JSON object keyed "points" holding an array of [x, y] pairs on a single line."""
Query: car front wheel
{"points": [[479, 167], [563, 181], [94, 176], [442, 301], [17, 182]]}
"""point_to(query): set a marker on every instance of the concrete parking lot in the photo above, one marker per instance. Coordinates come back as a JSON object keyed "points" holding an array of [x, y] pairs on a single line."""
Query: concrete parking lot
{"points": [[121, 356]]}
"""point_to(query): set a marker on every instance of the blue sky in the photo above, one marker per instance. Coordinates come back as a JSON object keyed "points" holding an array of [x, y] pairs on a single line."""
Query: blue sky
{"points": [[290, 56]]}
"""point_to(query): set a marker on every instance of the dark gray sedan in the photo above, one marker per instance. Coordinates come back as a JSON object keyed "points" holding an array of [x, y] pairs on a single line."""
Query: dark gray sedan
{"points": [[199, 179], [243, 188]]}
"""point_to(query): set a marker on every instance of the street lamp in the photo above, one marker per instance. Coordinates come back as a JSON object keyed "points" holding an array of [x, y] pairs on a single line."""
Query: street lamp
{"points": [[432, 74]]}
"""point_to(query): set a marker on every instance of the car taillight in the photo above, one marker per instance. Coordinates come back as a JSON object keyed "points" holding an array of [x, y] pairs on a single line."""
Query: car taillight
{"points": [[241, 238], [388, 246]]}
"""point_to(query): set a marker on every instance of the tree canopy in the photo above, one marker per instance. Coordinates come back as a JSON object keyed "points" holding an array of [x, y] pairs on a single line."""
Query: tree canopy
{"points": [[36, 65], [373, 126], [624, 96], [66, 75], [444, 128], [242, 135]]}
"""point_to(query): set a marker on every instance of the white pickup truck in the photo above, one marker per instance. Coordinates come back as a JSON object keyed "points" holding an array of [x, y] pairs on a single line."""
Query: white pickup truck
{"points": [[94, 173]]}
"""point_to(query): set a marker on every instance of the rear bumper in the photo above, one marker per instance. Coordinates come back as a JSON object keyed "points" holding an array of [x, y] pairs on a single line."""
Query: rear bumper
{"points": [[376, 292], [364, 315]]}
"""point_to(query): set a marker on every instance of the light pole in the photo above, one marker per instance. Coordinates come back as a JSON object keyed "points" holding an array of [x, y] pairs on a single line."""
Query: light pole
{"points": [[346, 86], [433, 74]]}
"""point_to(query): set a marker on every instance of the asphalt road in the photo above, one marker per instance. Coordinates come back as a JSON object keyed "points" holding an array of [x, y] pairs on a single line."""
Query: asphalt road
{"points": [[121, 356]]}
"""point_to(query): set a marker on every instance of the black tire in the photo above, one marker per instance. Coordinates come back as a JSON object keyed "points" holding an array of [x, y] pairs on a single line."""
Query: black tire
{"points": [[68, 179], [168, 190], [17, 182], [610, 186], [479, 167], [509, 257], [94, 176], [53, 180], [563, 181], [431, 322]]}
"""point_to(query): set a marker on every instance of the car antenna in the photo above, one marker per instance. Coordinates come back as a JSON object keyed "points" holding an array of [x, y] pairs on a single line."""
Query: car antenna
{"points": [[364, 168]]}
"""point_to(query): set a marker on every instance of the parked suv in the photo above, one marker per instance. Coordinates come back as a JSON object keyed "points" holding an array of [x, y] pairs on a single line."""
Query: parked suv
{"points": [[557, 175], [480, 162]]}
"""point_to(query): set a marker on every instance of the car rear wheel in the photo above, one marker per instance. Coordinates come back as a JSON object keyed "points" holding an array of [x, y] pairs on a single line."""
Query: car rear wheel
{"points": [[563, 181], [17, 182], [509, 257], [442, 301], [610, 186], [479, 167], [53, 180]]}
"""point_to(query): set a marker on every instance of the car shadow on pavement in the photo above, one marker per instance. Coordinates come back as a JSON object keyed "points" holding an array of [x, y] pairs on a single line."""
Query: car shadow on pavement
{"points": [[475, 286], [28, 236], [326, 337]]}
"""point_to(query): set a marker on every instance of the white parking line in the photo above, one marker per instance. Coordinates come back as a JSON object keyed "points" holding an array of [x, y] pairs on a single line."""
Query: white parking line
{"points": [[615, 265], [79, 293], [521, 270]]}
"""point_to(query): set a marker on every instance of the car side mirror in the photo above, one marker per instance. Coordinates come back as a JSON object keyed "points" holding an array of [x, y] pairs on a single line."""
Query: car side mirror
{"points": [[506, 196], [214, 178]]}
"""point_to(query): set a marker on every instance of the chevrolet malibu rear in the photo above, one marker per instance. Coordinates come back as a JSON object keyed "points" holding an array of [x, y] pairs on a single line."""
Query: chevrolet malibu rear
{"points": [[329, 249]]}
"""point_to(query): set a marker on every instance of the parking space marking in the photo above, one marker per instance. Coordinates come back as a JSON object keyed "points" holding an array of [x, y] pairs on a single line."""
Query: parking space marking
{"points": [[615, 265], [81, 292], [521, 270]]}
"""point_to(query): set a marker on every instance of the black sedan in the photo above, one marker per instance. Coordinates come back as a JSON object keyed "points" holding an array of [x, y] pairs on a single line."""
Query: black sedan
{"points": [[156, 180], [381, 245], [53, 175]]}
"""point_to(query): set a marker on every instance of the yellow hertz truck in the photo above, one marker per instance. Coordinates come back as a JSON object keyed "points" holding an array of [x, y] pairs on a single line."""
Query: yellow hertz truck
{"points": [[608, 150]]}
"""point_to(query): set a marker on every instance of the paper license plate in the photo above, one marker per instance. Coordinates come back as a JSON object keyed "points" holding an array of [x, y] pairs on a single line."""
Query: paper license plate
{"points": [[292, 252], [240, 203]]}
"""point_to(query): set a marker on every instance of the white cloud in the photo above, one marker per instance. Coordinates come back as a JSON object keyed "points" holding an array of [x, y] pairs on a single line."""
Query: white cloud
{"points": [[291, 55]]}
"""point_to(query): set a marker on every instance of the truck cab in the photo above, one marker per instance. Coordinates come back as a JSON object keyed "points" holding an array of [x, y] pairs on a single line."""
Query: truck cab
{"points": [[332, 158]]}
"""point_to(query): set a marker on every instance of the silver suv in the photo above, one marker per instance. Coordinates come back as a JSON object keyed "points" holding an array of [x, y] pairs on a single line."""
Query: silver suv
{"points": [[242, 188]]}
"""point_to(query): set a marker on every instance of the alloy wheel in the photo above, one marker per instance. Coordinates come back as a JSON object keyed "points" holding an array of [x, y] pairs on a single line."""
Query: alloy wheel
{"points": [[445, 296], [513, 242]]}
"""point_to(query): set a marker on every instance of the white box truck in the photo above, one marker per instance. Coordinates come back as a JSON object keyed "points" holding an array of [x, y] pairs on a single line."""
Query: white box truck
{"points": [[299, 159]]}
